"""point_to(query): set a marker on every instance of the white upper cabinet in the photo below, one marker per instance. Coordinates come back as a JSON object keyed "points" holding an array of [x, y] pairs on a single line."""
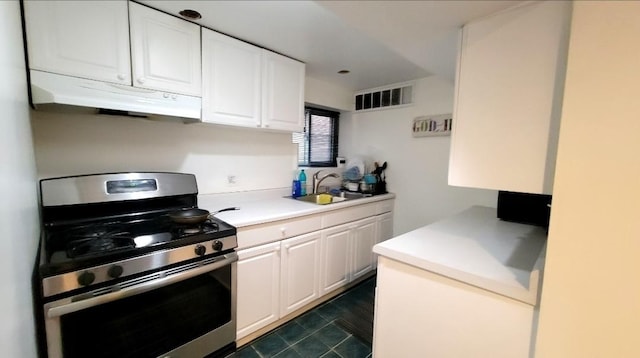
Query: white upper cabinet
{"points": [[508, 99], [244, 85], [165, 51], [87, 39], [283, 98], [231, 80]]}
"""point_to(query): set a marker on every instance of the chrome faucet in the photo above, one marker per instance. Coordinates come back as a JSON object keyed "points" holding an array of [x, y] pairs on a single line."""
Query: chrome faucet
{"points": [[316, 181]]}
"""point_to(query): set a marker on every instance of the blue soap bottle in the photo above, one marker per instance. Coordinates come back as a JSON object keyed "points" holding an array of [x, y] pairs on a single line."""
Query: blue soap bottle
{"points": [[303, 183], [295, 188]]}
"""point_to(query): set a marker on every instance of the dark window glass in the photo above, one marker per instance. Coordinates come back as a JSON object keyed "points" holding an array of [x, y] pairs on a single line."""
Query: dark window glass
{"points": [[395, 96], [376, 100], [359, 99], [386, 98], [367, 101], [318, 144]]}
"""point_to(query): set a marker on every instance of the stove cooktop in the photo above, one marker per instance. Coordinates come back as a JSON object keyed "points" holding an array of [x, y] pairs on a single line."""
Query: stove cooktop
{"points": [[71, 247]]}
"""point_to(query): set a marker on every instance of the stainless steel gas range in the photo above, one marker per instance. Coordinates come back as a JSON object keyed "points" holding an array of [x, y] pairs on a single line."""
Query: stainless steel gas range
{"points": [[118, 277]]}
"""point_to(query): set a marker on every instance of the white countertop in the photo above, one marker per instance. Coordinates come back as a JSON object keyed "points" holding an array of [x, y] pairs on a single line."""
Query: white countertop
{"points": [[259, 207], [477, 248]]}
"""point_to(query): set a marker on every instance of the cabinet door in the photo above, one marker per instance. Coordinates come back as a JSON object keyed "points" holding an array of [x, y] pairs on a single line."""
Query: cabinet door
{"points": [[384, 231], [385, 227], [88, 39], [231, 80], [364, 237], [165, 51], [508, 99], [299, 280], [335, 264], [258, 288], [283, 93]]}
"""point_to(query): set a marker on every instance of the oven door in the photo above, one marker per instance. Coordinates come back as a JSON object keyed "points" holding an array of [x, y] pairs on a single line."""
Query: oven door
{"points": [[186, 311]]}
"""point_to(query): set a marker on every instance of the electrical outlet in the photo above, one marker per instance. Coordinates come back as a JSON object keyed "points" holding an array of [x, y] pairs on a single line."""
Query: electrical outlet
{"points": [[232, 180]]}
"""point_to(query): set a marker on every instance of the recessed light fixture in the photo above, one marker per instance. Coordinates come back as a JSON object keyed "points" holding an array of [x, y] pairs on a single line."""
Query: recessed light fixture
{"points": [[343, 72], [190, 14]]}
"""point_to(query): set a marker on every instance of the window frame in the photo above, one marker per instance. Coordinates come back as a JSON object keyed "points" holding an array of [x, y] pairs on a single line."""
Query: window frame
{"points": [[306, 135]]}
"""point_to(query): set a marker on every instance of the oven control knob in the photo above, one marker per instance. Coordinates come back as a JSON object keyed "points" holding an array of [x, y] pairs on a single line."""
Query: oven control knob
{"points": [[200, 250], [86, 278], [217, 245], [115, 271]]}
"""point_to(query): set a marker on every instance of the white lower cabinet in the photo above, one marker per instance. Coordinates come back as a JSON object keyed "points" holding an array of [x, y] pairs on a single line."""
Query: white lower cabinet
{"points": [[278, 278], [335, 258], [347, 253], [385, 226], [258, 296], [384, 223], [299, 272], [364, 237]]}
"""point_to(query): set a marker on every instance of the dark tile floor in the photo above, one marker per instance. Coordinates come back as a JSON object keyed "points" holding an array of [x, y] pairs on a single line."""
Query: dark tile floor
{"points": [[320, 332]]}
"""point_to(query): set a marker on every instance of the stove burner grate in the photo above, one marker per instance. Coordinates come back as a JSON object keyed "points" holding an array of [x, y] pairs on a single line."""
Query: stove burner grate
{"points": [[192, 230], [99, 244], [207, 226]]}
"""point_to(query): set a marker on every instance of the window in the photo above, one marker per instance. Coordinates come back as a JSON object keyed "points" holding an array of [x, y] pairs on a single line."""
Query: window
{"points": [[384, 97], [318, 144]]}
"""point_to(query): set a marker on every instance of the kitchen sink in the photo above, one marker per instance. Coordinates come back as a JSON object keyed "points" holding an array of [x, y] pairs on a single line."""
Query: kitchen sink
{"points": [[324, 198]]}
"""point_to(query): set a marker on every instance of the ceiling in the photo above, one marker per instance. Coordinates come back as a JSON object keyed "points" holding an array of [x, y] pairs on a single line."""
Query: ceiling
{"points": [[380, 42]]}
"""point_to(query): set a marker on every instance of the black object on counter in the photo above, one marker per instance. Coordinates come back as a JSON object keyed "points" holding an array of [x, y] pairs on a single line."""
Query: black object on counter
{"points": [[381, 183], [194, 215], [533, 209]]}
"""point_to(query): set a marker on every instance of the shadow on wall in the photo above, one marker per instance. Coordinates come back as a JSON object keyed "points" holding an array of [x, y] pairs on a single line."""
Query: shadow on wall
{"points": [[224, 159]]}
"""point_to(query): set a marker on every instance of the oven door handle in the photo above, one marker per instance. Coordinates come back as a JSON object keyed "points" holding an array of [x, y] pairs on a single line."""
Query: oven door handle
{"points": [[69, 306]]}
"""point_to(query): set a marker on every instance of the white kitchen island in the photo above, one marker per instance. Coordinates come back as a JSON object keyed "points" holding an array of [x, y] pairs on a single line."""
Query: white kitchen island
{"points": [[466, 286]]}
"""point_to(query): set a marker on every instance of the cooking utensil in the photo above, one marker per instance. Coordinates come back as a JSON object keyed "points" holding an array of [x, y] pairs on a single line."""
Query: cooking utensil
{"points": [[379, 171], [383, 168], [195, 216]]}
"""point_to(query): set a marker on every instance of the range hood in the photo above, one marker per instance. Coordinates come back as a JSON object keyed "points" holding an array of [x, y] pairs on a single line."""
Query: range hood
{"points": [[49, 88]]}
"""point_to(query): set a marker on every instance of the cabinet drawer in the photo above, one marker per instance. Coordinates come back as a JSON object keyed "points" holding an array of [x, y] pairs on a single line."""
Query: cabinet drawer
{"points": [[347, 215], [384, 207], [264, 233], [257, 251]]}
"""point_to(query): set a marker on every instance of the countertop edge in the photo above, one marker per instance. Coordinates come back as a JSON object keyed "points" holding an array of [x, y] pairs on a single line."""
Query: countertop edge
{"points": [[292, 209], [528, 295]]}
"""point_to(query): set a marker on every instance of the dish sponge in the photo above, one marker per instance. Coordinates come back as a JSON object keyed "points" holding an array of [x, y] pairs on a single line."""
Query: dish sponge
{"points": [[323, 199]]}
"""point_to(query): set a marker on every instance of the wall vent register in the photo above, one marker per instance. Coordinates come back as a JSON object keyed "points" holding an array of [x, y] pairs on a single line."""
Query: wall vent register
{"points": [[384, 97]]}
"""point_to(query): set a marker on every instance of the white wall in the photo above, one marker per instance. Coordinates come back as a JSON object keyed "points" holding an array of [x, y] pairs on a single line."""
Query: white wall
{"points": [[417, 167], [19, 220], [591, 294], [326, 94], [69, 144]]}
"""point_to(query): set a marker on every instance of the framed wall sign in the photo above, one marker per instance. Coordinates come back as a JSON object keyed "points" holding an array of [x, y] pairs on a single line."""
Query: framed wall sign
{"points": [[435, 125]]}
